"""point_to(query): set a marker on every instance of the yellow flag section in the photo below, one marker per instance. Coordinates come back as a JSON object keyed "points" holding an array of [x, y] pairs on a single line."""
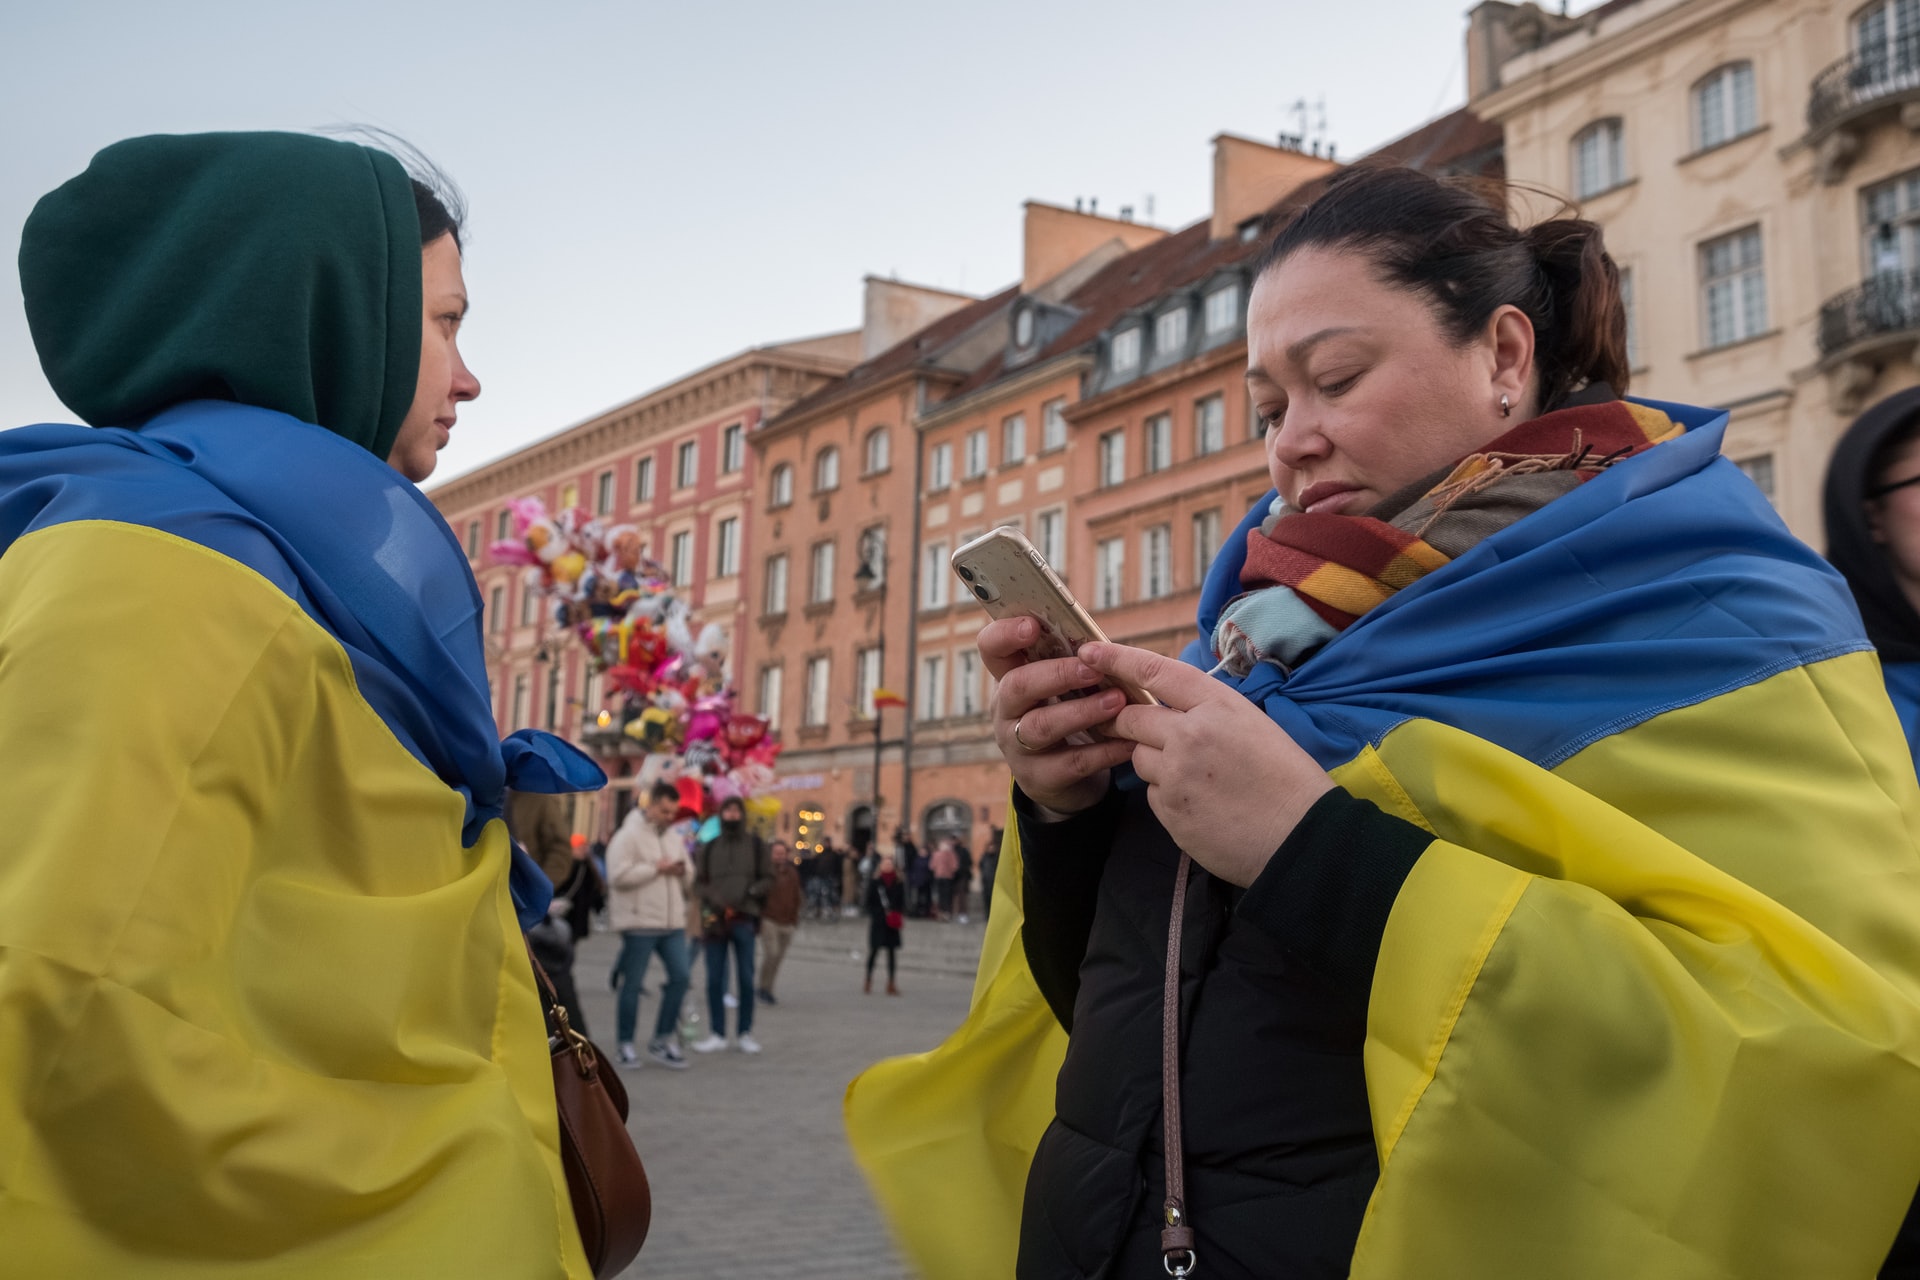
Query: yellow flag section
{"points": [[1655, 1013], [260, 1013]]}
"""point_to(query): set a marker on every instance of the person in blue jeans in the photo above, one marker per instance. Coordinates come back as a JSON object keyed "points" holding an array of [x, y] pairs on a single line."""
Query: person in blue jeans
{"points": [[647, 876], [735, 872]]}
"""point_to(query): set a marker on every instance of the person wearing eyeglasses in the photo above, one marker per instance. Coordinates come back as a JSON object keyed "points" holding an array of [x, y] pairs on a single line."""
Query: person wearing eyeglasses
{"points": [[1873, 538]]}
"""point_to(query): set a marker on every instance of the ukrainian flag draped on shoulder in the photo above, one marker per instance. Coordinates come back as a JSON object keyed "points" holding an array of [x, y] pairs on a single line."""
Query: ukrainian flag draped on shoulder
{"points": [[1649, 1003], [263, 1006]]}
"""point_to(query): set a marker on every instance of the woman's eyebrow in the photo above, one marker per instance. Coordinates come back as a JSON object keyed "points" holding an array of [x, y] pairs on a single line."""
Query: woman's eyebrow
{"points": [[1298, 351]]}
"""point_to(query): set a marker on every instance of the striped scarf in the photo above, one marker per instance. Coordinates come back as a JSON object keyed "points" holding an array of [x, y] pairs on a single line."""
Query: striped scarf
{"points": [[1308, 577]]}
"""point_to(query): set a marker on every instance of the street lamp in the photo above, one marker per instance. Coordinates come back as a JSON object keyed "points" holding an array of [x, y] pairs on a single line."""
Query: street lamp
{"points": [[873, 569]]}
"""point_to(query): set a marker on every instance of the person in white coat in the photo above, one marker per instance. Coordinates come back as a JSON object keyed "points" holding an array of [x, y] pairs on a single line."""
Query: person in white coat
{"points": [[647, 875]]}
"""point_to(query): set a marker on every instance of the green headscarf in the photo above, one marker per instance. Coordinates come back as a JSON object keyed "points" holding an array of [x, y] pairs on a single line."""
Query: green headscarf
{"points": [[274, 269]]}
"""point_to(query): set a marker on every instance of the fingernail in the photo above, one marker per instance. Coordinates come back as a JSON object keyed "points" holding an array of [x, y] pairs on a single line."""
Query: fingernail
{"points": [[1086, 674], [1027, 629], [1113, 699], [1091, 652]]}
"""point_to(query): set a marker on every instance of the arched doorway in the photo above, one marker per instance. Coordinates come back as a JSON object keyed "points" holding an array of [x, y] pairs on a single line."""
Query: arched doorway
{"points": [[860, 828], [946, 818]]}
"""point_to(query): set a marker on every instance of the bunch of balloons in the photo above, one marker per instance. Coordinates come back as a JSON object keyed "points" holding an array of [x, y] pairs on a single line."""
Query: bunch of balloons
{"points": [[638, 630]]}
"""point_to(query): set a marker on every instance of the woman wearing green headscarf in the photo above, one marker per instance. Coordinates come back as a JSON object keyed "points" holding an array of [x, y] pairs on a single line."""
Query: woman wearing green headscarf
{"points": [[263, 1006]]}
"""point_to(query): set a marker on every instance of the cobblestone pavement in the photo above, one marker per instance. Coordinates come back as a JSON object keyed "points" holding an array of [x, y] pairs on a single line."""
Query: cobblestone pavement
{"points": [[747, 1154]]}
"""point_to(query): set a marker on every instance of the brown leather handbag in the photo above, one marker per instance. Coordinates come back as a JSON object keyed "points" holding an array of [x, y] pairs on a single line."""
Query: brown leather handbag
{"points": [[612, 1202]]}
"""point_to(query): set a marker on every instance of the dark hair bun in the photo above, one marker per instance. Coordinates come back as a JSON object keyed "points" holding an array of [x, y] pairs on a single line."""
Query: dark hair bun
{"points": [[1451, 241]]}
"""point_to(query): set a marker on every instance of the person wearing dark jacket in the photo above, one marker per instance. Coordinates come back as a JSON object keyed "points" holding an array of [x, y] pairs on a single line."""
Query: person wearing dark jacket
{"points": [[1516, 872], [539, 823], [886, 912], [1873, 539], [735, 873]]}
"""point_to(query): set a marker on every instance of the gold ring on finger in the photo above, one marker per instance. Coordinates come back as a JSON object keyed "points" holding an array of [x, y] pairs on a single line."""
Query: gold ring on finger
{"points": [[1020, 742]]}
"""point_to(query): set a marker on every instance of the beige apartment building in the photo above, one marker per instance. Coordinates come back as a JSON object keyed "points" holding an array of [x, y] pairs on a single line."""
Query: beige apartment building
{"points": [[1756, 168]]}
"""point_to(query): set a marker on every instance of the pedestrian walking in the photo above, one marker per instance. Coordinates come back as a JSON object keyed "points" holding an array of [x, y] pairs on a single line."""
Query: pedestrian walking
{"points": [[539, 823], [279, 1019], [1524, 835], [734, 874], [647, 873], [962, 879], [989, 868], [942, 868], [778, 918], [886, 908], [919, 877]]}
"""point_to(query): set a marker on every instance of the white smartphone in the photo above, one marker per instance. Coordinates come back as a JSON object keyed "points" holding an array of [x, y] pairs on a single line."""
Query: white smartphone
{"points": [[1011, 579]]}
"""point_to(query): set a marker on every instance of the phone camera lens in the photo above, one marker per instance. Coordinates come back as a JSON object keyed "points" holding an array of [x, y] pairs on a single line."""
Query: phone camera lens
{"points": [[981, 592], [965, 573]]}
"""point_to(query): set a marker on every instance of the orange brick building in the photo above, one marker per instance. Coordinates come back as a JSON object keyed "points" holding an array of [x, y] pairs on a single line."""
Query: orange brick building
{"points": [[674, 462]]}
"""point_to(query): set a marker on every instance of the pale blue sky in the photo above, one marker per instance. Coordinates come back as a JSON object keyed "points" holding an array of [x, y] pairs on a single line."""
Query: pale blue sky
{"points": [[654, 187]]}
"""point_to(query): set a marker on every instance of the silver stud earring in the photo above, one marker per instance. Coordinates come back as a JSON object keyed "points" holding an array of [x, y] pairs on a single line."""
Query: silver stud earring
{"points": [[1506, 406]]}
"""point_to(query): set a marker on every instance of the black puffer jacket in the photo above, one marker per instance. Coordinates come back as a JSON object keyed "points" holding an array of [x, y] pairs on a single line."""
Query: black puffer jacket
{"points": [[1279, 1144]]}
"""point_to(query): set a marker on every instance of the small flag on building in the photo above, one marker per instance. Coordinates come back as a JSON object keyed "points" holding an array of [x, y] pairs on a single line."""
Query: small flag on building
{"points": [[887, 698]]}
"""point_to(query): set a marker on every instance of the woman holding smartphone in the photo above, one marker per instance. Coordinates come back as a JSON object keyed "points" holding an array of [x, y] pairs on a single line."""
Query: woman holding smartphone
{"points": [[1553, 880]]}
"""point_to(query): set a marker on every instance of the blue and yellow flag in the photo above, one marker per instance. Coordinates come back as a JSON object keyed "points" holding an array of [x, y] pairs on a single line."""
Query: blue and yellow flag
{"points": [[264, 1007], [1649, 1004]]}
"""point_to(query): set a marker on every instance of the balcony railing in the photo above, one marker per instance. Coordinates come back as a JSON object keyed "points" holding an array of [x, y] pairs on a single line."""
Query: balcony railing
{"points": [[1886, 306], [1862, 80]]}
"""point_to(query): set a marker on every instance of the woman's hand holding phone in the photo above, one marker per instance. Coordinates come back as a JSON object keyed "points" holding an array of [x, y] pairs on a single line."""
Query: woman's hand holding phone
{"points": [[1052, 772]]}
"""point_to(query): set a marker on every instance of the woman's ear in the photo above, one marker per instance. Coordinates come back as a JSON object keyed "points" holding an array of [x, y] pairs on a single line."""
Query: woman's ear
{"points": [[1510, 344]]}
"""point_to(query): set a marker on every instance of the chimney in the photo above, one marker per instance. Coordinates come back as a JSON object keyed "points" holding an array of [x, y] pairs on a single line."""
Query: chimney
{"points": [[1251, 177], [896, 310], [1055, 238]]}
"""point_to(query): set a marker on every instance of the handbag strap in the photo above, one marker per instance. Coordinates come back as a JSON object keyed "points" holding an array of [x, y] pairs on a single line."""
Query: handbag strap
{"points": [[560, 1033], [1176, 1237]]}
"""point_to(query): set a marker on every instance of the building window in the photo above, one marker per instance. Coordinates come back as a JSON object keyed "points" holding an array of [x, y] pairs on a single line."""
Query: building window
{"points": [[1759, 469], [933, 581], [1885, 35], [682, 557], [974, 461], [503, 526], [1125, 355], [770, 681], [1723, 106], [473, 539], [775, 602], [726, 554], [940, 468], [1113, 458], [529, 604], [933, 686], [1890, 218], [733, 447], [966, 683], [603, 494], [518, 720], [569, 496], [643, 480], [1156, 562], [826, 471], [1170, 333], [496, 610], [1156, 443], [1050, 538], [1206, 543], [820, 587], [1110, 566], [879, 450], [1223, 309], [866, 678], [819, 672], [686, 464], [1209, 426], [780, 491], [1599, 158], [1013, 440], [1733, 288], [1053, 425], [872, 550]]}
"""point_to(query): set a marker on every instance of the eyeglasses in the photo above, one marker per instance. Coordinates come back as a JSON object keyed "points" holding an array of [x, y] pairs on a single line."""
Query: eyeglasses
{"points": [[1886, 489]]}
